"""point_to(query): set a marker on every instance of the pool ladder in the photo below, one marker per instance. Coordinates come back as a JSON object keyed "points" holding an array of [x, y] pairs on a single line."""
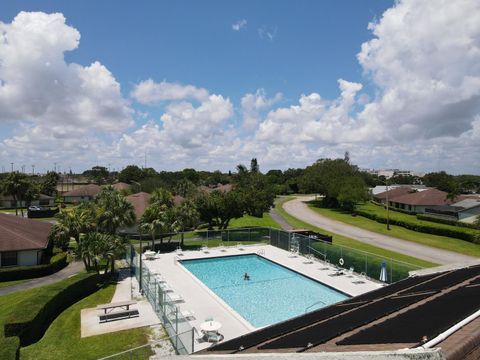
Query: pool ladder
{"points": [[261, 252]]}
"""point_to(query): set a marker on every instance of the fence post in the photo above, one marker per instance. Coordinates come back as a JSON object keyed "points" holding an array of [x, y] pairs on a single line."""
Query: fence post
{"points": [[249, 234], [193, 339], [176, 327]]}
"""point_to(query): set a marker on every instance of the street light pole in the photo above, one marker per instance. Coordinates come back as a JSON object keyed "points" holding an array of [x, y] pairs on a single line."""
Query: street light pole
{"points": [[388, 214]]}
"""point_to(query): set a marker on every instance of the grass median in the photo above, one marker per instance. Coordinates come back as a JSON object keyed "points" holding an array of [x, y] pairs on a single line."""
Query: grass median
{"points": [[345, 241], [440, 242]]}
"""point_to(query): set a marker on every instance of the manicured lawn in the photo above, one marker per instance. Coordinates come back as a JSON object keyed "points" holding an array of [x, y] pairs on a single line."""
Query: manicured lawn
{"points": [[62, 339], [14, 282], [342, 240], [249, 221], [441, 242]]}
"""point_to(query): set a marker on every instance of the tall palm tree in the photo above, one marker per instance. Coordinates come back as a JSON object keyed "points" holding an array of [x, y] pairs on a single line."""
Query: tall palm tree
{"points": [[186, 216], [155, 220], [162, 196], [114, 211]]}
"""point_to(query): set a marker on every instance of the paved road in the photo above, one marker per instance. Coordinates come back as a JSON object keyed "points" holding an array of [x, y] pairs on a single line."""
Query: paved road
{"points": [[300, 210], [71, 269], [280, 220]]}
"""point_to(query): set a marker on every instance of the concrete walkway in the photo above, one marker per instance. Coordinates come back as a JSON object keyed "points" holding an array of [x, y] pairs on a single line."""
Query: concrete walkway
{"points": [[300, 210], [70, 270]]}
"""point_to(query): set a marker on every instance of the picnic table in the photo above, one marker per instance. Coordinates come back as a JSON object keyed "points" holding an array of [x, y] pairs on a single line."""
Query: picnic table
{"points": [[122, 304]]}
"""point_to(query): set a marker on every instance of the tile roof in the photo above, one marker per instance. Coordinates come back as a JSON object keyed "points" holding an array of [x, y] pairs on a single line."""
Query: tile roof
{"points": [[121, 186], [428, 197], [17, 233], [90, 190], [140, 201], [402, 190]]}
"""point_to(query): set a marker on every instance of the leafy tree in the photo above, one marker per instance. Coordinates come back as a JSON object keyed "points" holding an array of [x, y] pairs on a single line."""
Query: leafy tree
{"points": [[130, 173], [254, 167], [441, 180], [99, 174], [94, 247], [20, 187], [185, 188], [352, 191], [49, 182]]}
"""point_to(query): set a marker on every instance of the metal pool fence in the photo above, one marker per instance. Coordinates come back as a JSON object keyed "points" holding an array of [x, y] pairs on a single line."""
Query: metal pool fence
{"points": [[182, 334]]}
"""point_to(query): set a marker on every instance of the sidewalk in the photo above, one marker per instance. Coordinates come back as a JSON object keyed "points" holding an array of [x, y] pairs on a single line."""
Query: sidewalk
{"points": [[70, 270]]}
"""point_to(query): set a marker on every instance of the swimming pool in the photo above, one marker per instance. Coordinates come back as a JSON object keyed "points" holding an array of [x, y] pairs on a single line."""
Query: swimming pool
{"points": [[273, 293]]}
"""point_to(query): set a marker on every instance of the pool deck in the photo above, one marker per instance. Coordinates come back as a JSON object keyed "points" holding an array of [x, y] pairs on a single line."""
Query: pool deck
{"points": [[205, 304]]}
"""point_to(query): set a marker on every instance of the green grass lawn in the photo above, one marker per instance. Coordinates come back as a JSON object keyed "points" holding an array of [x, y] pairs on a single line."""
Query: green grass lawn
{"points": [[342, 240], [441, 242], [249, 221], [62, 339], [14, 282]]}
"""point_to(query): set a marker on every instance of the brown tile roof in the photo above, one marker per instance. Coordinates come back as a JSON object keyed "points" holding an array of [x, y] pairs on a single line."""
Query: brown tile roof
{"points": [[402, 190], [121, 186], [140, 201], [17, 233], [219, 187], [427, 197], [87, 190]]}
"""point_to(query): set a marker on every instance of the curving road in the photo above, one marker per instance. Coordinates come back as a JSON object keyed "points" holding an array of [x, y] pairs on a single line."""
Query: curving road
{"points": [[300, 210]]}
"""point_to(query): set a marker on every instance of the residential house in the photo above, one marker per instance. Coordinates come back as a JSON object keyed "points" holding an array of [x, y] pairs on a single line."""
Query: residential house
{"points": [[81, 194], [7, 201], [22, 241], [466, 210], [418, 201]]}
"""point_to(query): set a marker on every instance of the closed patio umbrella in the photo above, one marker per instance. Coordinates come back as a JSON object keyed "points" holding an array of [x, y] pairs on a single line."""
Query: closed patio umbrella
{"points": [[383, 272]]}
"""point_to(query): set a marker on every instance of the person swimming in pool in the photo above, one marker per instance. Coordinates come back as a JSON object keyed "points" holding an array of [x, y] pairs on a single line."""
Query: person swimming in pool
{"points": [[246, 276]]}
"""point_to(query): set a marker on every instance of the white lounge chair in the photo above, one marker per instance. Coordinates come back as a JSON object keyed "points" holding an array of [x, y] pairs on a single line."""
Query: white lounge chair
{"points": [[174, 298], [187, 314], [205, 249], [179, 251]]}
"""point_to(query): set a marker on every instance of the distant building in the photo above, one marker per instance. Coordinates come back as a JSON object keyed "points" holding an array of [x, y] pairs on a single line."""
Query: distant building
{"points": [[22, 241], [219, 187], [7, 201], [81, 194], [466, 210], [419, 200]]}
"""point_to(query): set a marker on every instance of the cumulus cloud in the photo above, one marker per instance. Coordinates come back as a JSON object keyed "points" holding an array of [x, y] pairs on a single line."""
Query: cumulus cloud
{"points": [[239, 25], [425, 60], [253, 104], [37, 85], [149, 92]]}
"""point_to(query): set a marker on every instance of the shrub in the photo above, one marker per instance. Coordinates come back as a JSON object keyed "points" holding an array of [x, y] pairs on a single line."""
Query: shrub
{"points": [[463, 234], [32, 316], [447, 222], [9, 348], [57, 262]]}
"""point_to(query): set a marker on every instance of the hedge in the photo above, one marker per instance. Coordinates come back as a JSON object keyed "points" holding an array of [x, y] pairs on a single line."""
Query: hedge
{"points": [[447, 222], [459, 233], [57, 262], [32, 316]]}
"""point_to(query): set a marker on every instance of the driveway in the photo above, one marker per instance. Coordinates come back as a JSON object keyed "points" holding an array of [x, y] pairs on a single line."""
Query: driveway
{"points": [[300, 210], [68, 271]]}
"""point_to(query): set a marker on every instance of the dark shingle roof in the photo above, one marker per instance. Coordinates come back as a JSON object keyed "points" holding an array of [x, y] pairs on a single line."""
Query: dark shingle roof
{"points": [[17, 233]]}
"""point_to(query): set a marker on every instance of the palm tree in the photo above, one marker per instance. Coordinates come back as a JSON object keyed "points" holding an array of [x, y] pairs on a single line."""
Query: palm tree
{"points": [[114, 211], [72, 223], [155, 220], [162, 196], [186, 216]]}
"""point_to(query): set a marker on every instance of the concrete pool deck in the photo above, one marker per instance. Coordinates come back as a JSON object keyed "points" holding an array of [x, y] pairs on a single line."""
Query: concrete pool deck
{"points": [[200, 300]]}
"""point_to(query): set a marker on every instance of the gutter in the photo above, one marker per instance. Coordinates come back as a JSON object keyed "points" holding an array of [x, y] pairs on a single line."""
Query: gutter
{"points": [[449, 331]]}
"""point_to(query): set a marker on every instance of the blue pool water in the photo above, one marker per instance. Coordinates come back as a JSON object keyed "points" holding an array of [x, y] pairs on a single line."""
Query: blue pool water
{"points": [[273, 293]]}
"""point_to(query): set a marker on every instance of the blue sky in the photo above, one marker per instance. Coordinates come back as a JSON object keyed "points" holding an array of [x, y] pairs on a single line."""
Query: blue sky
{"points": [[276, 51]]}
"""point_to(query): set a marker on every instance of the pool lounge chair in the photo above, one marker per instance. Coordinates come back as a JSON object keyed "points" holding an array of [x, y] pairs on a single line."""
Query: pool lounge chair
{"points": [[174, 298], [179, 251], [205, 249]]}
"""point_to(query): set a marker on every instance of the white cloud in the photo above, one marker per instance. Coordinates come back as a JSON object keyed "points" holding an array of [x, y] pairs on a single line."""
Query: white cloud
{"points": [[149, 92], [267, 32], [239, 25], [38, 86], [253, 104]]}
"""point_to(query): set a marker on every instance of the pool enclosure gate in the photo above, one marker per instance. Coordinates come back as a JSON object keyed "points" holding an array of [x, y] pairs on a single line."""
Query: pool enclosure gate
{"points": [[178, 328]]}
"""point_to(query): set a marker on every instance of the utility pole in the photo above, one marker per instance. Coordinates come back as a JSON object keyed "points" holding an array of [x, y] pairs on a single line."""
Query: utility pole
{"points": [[12, 166], [33, 169], [55, 167], [386, 198]]}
